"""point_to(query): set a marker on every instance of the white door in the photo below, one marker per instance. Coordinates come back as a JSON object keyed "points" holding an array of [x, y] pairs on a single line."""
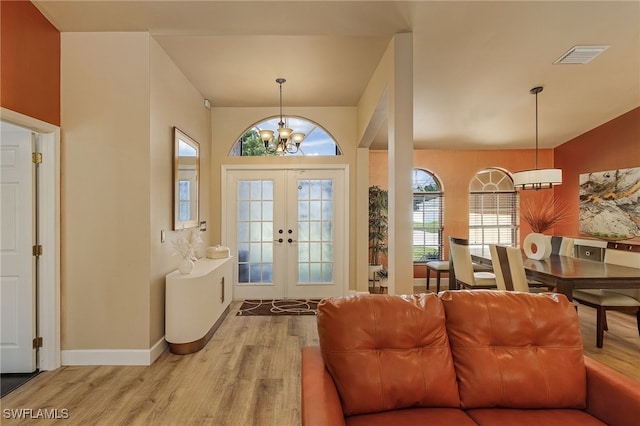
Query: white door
{"points": [[287, 231], [17, 263]]}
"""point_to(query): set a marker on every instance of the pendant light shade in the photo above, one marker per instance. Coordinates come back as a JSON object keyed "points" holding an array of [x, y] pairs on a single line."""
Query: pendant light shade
{"points": [[537, 179]]}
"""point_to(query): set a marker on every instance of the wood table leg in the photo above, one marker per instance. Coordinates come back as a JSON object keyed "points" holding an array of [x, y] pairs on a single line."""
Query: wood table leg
{"points": [[565, 288]]}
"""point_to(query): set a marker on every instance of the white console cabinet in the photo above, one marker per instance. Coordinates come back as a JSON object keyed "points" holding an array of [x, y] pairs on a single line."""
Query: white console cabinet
{"points": [[196, 304]]}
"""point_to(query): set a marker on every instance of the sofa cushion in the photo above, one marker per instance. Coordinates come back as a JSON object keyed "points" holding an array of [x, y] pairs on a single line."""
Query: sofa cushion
{"points": [[387, 352], [521, 417], [515, 350], [413, 417]]}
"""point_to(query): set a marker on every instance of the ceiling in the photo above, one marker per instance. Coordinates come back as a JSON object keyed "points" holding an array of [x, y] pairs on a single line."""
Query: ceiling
{"points": [[474, 62]]}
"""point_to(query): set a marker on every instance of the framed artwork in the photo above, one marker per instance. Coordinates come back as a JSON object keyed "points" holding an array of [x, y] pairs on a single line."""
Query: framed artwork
{"points": [[610, 204]]}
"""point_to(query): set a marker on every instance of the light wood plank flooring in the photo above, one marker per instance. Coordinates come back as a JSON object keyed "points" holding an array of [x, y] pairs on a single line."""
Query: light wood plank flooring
{"points": [[248, 374]]}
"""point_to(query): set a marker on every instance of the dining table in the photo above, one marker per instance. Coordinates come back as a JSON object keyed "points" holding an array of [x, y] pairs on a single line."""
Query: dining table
{"points": [[566, 273]]}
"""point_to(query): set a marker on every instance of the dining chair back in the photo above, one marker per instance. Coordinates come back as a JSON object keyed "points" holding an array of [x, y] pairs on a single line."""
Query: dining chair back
{"points": [[562, 245], [627, 300], [623, 258], [464, 274], [508, 268]]}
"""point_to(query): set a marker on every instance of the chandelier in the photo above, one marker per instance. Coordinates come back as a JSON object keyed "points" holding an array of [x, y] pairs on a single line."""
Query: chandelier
{"points": [[286, 141], [537, 179]]}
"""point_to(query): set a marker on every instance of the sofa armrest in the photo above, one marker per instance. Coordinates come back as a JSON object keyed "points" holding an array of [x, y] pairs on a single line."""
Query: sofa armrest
{"points": [[611, 396], [320, 401]]}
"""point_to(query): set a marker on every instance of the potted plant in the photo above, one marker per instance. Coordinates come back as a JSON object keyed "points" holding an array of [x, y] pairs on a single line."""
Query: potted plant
{"points": [[378, 227], [543, 213]]}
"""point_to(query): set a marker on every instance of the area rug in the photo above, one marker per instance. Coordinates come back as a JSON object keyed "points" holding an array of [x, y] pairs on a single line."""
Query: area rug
{"points": [[278, 307]]}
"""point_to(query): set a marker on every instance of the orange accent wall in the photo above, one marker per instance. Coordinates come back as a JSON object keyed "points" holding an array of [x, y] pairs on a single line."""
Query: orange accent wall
{"points": [[29, 62], [613, 145], [455, 169]]}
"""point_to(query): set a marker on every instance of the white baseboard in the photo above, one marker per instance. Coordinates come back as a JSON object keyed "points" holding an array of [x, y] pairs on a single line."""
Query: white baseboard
{"points": [[114, 356], [157, 350]]}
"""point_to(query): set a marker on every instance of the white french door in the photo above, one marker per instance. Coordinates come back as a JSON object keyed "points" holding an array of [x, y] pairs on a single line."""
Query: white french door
{"points": [[17, 278], [287, 231]]}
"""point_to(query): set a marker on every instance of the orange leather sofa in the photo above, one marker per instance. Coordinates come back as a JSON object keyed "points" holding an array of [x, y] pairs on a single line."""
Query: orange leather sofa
{"points": [[458, 358]]}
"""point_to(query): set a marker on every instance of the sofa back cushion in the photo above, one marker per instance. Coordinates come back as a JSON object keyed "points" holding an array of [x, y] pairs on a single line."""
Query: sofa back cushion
{"points": [[515, 350], [387, 352]]}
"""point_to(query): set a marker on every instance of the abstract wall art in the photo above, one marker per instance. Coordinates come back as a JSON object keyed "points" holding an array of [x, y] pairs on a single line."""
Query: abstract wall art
{"points": [[610, 203]]}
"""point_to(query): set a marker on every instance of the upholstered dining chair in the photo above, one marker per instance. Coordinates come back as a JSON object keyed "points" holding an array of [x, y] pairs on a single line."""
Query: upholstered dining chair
{"points": [[562, 245], [509, 269], [463, 271], [619, 299]]}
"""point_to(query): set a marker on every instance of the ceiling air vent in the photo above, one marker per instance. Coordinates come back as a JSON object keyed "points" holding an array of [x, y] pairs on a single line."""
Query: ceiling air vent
{"points": [[580, 54]]}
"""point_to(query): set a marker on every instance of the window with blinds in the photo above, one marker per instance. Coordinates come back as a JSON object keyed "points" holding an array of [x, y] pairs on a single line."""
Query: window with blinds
{"points": [[428, 222], [493, 210]]}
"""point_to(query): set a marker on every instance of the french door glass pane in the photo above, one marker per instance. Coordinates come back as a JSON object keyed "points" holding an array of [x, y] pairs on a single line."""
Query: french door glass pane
{"points": [[255, 232], [315, 231]]}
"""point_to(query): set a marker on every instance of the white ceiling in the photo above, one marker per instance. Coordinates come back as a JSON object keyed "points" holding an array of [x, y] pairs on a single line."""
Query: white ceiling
{"points": [[474, 62]]}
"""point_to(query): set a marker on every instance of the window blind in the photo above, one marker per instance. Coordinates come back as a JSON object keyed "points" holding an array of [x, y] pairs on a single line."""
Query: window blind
{"points": [[493, 218], [427, 226]]}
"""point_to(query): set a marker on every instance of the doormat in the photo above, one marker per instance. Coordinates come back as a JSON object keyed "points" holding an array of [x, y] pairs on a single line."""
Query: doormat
{"points": [[278, 307], [12, 381]]}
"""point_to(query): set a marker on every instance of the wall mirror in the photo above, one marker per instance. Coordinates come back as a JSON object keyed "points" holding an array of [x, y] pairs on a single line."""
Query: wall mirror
{"points": [[186, 181]]}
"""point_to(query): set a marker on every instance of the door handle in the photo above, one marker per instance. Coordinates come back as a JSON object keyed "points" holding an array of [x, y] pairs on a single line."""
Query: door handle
{"points": [[279, 240], [290, 240]]}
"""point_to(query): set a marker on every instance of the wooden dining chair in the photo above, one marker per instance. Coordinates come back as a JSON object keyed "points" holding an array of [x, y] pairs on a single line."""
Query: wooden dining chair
{"points": [[508, 268], [463, 271], [562, 245], [626, 300]]}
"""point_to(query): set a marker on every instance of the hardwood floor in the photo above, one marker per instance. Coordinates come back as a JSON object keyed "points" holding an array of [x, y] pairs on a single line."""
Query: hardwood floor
{"points": [[248, 374], [621, 349]]}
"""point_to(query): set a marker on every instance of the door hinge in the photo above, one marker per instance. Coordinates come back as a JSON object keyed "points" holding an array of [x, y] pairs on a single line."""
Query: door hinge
{"points": [[36, 157], [37, 250], [37, 342]]}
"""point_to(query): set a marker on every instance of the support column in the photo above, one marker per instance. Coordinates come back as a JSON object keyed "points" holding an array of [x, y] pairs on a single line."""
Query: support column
{"points": [[362, 226], [400, 255]]}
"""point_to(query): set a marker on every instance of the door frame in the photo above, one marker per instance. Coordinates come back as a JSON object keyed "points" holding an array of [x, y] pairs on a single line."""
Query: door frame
{"points": [[48, 292], [255, 167]]}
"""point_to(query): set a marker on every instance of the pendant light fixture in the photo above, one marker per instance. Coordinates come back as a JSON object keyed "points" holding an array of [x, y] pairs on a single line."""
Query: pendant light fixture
{"points": [[537, 179], [286, 141]]}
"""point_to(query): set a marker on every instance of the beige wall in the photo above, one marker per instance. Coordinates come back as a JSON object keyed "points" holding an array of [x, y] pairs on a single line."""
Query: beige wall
{"points": [[174, 102], [228, 124], [105, 190], [373, 105], [121, 97]]}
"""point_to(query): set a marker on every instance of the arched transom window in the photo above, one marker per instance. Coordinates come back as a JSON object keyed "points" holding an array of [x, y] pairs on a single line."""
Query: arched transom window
{"points": [[317, 140], [493, 210], [427, 216]]}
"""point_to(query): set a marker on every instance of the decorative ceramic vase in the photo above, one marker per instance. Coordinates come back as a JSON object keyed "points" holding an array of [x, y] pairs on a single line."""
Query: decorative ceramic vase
{"points": [[537, 246], [186, 266]]}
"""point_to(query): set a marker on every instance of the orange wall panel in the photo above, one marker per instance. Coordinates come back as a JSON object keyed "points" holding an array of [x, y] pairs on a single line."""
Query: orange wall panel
{"points": [[613, 145], [29, 62], [455, 169]]}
